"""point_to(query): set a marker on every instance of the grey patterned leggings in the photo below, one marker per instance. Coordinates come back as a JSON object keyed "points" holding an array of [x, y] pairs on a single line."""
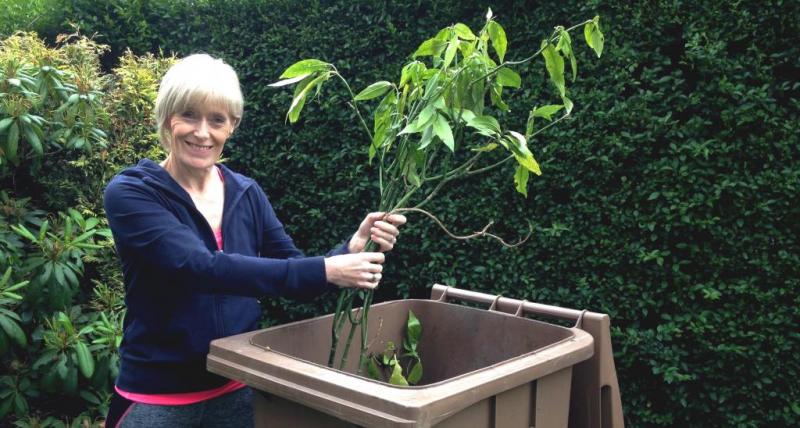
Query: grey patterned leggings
{"points": [[230, 410]]}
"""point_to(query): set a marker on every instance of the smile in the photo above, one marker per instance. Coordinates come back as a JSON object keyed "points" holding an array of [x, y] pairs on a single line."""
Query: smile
{"points": [[199, 147]]}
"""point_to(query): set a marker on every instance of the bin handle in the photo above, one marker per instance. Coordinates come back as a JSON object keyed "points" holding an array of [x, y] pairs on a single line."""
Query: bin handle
{"points": [[494, 303], [443, 297], [579, 322], [521, 309]]}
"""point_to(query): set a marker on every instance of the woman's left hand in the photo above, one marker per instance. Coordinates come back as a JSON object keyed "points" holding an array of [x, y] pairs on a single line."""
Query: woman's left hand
{"points": [[382, 231]]}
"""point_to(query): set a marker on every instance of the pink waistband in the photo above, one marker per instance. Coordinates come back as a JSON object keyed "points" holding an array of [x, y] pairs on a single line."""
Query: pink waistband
{"points": [[180, 399]]}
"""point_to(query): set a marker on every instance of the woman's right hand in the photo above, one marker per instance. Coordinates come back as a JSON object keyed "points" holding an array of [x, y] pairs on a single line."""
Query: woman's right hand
{"points": [[360, 270]]}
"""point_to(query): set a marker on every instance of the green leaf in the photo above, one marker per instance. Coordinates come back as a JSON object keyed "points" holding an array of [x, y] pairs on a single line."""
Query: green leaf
{"points": [[291, 81], [24, 232], [508, 77], [33, 140], [397, 375], [567, 104], [13, 330], [497, 35], [464, 32], [12, 141], [450, 53], [374, 90], [71, 381], [547, 111], [487, 148], [5, 123], [58, 269], [415, 374], [430, 47], [306, 66], [372, 369], [522, 154], [485, 125], [413, 328], [565, 45], [442, 129], [594, 36], [555, 66], [85, 360], [301, 92], [423, 121], [521, 180]]}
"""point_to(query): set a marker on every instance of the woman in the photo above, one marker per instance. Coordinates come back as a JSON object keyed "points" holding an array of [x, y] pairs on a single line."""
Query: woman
{"points": [[198, 244]]}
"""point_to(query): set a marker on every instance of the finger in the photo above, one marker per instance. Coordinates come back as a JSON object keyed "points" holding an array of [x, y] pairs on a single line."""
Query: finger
{"points": [[396, 219], [386, 227], [382, 234], [373, 257]]}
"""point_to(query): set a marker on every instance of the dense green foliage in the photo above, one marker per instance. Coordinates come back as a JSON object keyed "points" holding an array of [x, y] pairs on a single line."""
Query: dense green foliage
{"points": [[669, 200], [60, 293]]}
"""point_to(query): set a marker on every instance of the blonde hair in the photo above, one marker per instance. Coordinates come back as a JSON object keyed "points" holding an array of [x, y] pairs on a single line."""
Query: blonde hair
{"points": [[197, 79]]}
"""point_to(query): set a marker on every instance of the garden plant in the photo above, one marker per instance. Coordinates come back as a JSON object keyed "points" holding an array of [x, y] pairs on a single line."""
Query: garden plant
{"points": [[434, 127]]}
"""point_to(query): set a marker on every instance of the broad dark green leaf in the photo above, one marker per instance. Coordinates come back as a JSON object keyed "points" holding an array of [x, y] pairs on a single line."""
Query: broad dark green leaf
{"points": [[85, 360], [5, 123], [555, 66], [497, 35], [508, 77], [13, 330], [12, 142], [306, 66], [33, 140], [374, 90]]}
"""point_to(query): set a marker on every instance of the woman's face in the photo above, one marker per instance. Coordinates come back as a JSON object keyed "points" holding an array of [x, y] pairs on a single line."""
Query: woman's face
{"points": [[198, 135]]}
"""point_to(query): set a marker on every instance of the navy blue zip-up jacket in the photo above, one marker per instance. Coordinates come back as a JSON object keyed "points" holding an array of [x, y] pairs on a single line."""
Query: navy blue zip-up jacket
{"points": [[181, 292]]}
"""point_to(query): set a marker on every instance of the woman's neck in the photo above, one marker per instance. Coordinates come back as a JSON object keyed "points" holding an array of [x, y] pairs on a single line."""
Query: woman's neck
{"points": [[194, 181]]}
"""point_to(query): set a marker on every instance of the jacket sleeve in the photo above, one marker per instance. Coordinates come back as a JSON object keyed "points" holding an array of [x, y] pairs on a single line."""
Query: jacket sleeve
{"points": [[145, 229], [276, 242]]}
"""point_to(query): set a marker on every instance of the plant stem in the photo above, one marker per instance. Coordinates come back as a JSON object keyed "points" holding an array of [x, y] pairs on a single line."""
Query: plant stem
{"points": [[354, 104]]}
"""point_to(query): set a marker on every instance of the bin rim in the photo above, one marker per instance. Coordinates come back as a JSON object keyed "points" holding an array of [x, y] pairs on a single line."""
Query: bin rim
{"points": [[572, 330]]}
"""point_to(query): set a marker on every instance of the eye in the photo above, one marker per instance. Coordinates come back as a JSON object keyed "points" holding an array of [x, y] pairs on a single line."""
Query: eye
{"points": [[219, 119], [188, 114]]}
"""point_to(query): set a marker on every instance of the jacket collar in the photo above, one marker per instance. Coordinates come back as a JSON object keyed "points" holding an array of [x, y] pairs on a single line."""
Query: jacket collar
{"points": [[155, 175]]}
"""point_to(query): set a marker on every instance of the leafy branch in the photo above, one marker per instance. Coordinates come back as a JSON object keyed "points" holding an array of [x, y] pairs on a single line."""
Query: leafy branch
{"points": [[437, 111]]}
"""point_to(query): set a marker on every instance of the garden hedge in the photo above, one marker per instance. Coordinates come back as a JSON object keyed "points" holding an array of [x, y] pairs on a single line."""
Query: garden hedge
{"points": [[669, 200]]}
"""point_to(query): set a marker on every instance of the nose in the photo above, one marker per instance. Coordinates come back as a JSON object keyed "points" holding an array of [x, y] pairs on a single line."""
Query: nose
{"points": [[201, 130]]}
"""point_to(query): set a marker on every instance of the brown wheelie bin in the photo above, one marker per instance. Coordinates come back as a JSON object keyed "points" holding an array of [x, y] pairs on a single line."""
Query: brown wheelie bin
{"points": [[482, 368]]}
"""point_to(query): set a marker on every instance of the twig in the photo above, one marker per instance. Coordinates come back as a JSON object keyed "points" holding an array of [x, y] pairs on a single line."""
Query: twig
{"points": [[482, 232]]}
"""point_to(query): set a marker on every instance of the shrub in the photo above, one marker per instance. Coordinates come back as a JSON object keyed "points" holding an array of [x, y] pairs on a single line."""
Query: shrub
{"points": [[65, 128], [670, 203]]}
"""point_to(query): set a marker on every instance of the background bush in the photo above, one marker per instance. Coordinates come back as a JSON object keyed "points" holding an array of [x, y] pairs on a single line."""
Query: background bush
{"points": [[669, 201]]}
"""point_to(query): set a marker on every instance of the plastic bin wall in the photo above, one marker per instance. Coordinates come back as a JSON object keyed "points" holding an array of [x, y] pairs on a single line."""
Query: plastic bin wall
{"points": [[481, 369]]}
